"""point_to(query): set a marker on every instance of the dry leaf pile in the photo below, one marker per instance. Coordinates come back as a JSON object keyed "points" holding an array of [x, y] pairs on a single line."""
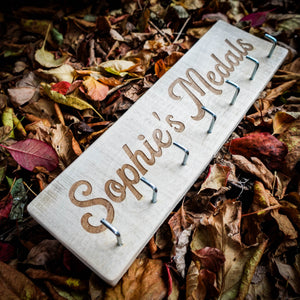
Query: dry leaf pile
{"points": [[69, 71]]}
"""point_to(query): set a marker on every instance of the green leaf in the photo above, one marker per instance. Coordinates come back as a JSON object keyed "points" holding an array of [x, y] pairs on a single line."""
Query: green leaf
{"points": [[19, 195], [57, 36], [69, 100], [46, 58]]}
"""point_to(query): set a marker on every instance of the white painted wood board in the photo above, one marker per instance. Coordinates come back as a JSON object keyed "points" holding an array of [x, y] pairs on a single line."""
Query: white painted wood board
{"points": [[138, 220]]}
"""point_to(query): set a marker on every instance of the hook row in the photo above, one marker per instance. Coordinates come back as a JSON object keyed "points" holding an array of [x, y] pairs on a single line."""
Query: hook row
{"points": [[237, 88], [186, 151]]}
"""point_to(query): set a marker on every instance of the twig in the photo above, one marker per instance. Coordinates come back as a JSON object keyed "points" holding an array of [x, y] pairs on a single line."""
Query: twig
{"points": [[180, 32], [29, 188], [258, 212], [161, 32]]}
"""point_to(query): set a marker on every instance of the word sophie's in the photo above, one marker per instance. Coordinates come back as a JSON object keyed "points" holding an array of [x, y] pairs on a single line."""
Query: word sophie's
{"points": [[129, 173], [111, 182]]}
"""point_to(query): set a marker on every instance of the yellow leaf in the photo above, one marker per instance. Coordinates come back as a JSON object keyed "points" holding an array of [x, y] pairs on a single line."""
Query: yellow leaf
{"points": [[281, 122], [69, 100], [95, 90], [7, 120], [117, 67]]}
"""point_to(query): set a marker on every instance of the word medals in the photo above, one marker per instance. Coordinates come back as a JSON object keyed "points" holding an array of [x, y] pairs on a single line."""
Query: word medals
{"points": [[110, 201]]}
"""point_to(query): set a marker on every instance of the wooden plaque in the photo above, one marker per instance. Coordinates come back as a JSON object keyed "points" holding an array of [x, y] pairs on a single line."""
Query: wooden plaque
{"points": [[104, 182]]}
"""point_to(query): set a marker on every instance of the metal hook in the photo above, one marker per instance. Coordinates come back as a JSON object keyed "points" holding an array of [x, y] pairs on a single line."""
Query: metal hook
{"points": [[237, 91], [274, 41], [214, 118], [113, 230], [186, 151], [153, 187], [256, 65]]}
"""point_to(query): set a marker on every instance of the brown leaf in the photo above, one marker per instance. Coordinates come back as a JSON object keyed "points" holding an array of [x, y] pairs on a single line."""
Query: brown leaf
{"points": [[289, 274], [95, 89], [69, 282], [293, 66], [22, 95], [195, 287], [262, 197], [210, 258], [255, 167], [45, 253], [285, 225], [281, 122], [181, 230], [216, 178], [222, 231], [62, 142], [279, 90], [291, 138], [15, 285], [143, 280], [292, 212]]}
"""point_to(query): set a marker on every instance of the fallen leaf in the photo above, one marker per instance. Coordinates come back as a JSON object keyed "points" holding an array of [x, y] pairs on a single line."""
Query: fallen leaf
{"points": [[216, 178], [96, 90], [281, 122], [250, 269], [210, 258], [284, 225], [22, 95], [62, 73], [261, 145], [143, 280], [256, 19], [5, 206], [290, 137], [61, 87], [292, 211], [191, 4], [32, 153], [222, 231], [46, 58], [20, 198], [68, 100], [160, 68], [117, 67], [7, 252], [15, 285], [65, 281], [197, 32], [195, 288], [255, 167], [289, 274], [62, 142], [7, 120]]}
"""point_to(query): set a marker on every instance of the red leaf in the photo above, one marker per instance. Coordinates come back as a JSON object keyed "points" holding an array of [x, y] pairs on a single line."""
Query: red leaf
{"points": [[170, 281], [263, 145], [257, 18], [61, 87], [32, 153], [5, 206], [210, 258], [7, 251]]}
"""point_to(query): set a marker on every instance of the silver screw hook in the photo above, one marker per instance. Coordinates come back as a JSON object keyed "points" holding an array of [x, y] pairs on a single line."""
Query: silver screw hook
{"points": [[214, 118], [186, 151], [153, 187], [237, 91], [113, 230], [256, 65], [274, 41]]}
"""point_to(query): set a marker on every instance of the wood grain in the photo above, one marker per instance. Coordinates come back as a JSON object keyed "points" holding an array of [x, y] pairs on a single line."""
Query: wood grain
{"points": [[104, 182]]}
